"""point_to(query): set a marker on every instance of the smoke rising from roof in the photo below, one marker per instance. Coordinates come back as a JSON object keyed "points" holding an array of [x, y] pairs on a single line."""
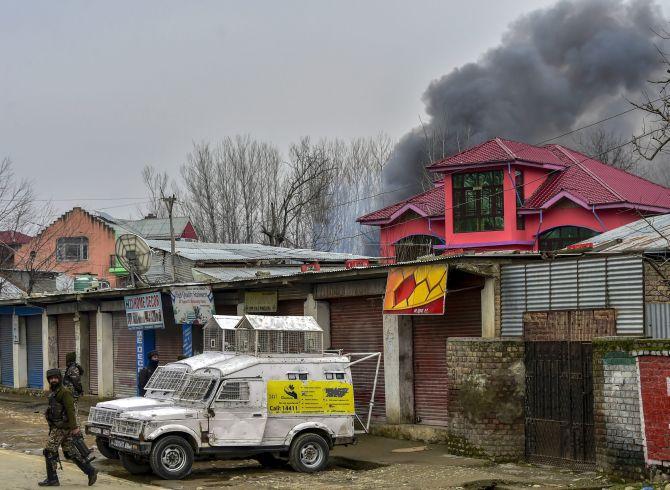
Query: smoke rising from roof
{"points": [[554, 69]]}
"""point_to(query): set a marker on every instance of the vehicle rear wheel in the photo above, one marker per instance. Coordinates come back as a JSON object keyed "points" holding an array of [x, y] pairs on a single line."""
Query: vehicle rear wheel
{"points": [[103, 446], [135, 465], [309, 453], [171, 458]]}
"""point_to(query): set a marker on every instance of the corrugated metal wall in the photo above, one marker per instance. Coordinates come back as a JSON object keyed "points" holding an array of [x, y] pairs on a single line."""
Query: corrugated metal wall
{"points": [[34, 351], [6, 351], [125, 364], [658, 320], [92, 354], [613, 282]]}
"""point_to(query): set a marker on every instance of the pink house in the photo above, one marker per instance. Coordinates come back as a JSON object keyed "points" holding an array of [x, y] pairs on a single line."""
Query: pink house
{"points": [[507, 195]]}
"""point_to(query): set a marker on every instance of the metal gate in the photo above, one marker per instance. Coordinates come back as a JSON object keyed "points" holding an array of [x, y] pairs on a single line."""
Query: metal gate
{"points": [[66, 341], [125, 363], [356, 326], [462, 318], [559, 403], [6, 351], [92, 354], [34, 351]]}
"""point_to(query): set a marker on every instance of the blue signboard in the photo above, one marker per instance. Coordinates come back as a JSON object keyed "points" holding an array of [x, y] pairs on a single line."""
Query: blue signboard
{"points": [[145, 342], [144, 311], [187, 337]]}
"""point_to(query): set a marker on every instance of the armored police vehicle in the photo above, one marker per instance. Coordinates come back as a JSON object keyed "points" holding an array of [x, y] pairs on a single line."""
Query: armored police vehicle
{"points": [[166, 380], [280, 398]]}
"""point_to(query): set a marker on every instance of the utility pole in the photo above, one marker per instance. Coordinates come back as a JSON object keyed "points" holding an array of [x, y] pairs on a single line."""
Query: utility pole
{"points": [[169, 203]]}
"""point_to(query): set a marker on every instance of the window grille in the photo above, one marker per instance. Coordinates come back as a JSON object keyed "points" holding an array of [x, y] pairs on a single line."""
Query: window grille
{"points": [[219, 340], [101, 416], [196, 388], [166, 379], [234, 392]]}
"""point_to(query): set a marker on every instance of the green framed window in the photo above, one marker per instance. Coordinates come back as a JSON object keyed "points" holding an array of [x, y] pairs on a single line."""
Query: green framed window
{"points": [[478, 201], [561, 237]]}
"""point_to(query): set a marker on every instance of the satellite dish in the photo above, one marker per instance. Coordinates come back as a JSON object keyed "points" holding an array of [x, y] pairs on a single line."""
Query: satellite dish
{"points": [[134, 254]]}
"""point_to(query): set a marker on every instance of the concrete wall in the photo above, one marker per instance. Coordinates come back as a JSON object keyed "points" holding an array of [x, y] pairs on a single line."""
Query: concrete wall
{"points": [[486, 397]]}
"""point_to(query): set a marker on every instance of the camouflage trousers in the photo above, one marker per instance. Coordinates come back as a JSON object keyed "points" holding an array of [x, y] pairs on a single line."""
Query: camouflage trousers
{"points": [[60, 437]]}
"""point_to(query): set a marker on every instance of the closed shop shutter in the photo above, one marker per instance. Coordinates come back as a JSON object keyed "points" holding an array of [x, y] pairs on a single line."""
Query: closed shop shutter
{"points": [[125, 366], [356, 326], [462, 318], [169, 342], [34, 351], [291, 307], [66, 341], [92, 355], [6, 351]]}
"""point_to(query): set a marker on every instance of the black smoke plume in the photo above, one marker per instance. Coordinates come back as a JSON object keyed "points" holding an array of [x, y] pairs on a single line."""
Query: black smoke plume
{"points": [[555, 68]]}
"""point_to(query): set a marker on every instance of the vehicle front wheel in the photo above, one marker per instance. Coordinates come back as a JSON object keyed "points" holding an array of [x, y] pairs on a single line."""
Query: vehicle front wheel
{"points": [[134, 465], [103, 446], [171, 458], [309, 453]]}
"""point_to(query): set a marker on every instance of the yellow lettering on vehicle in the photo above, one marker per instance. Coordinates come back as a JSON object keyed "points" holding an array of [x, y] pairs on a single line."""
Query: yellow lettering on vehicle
{"points": [[310, 397]]}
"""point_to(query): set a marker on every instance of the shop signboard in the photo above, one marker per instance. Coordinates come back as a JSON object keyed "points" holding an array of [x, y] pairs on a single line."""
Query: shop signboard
{"points": [[192, 305], [260, 302], [416, 290], [144, 311]]}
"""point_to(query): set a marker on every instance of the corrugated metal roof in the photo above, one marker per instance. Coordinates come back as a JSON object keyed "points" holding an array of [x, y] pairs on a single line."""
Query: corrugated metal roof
{"points": [[292, 323], [242, 273], [149, 228], [643, 235], [247, 252]]}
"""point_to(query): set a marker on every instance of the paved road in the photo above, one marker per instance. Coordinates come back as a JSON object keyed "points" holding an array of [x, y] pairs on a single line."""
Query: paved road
{"points": [[23, 471]]}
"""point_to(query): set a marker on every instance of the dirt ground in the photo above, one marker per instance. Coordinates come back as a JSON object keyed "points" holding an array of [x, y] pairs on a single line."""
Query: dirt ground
{"points": [[374, 462]]}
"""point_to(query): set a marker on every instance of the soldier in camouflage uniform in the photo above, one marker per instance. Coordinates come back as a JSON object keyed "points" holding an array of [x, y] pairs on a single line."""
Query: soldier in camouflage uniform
{"points": [[62, 428]]}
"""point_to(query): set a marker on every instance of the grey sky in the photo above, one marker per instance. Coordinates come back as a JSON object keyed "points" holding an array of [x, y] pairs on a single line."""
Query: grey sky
{"points": [[92, 91]]}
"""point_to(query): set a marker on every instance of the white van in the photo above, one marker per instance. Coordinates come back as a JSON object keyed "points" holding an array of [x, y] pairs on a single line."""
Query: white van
{"points": [[163, 384], [280, 398]]}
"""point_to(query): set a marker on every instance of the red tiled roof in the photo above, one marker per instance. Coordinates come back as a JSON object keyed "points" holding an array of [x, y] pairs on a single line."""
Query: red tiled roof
{"points": [[430, 203], [14, 237], [500, 151], [596, 183]]}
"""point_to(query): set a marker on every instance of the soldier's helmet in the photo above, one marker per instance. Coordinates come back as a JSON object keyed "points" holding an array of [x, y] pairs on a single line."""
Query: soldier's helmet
{"points": [[54, 372]]}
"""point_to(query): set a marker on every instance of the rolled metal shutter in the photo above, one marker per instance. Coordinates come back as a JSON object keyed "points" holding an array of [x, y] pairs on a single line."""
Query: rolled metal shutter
{"points": [[169, 343], [356, 326], [6, 351], [462, 318], [291, 307], [34, 351], [66, 342], [92, 355], [125, 366]]}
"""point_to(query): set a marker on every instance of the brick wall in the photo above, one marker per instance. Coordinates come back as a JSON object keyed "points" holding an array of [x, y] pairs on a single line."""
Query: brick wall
{"points": [[486, 386], [656, 288], [576, 325], [620, 442]]}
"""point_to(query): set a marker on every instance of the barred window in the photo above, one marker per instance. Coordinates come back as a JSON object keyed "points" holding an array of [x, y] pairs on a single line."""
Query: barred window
{"points": [[234, 392]]}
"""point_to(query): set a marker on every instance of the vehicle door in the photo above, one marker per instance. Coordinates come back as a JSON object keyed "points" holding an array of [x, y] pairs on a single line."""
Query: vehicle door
{"points": [[238, 413]]}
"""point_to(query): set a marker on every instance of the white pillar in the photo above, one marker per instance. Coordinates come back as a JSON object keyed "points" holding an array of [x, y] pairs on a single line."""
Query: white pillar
{"points": [[20, 354], [105, 347], [398, 369], [240, 309], [320, 311], [49, 346], [488, 306]]}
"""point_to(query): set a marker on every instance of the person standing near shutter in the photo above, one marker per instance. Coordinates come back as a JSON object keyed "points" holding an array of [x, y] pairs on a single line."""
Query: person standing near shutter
{"points": [[148, 371]]}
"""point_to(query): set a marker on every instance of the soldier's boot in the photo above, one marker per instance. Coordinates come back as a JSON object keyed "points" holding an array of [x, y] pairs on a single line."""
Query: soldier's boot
{"points": [[87, 468], [52, 476]]}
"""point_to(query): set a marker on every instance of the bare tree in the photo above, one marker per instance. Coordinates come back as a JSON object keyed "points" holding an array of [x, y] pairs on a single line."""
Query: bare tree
{"points": [[298, 194], [610, 148], [156, 184]]}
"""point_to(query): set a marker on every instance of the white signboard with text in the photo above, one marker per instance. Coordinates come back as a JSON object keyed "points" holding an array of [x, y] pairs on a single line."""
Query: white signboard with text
{"points": [[192, 305]]}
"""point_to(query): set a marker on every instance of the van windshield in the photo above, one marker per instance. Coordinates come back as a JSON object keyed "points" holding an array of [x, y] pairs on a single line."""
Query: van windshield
{"points": [[165, 381], [196, 388]]}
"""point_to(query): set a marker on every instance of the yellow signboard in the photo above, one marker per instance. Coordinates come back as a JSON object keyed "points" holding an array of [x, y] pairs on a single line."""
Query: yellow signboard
{"points": [[260, 301], [416, 290], [310, 397]]}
